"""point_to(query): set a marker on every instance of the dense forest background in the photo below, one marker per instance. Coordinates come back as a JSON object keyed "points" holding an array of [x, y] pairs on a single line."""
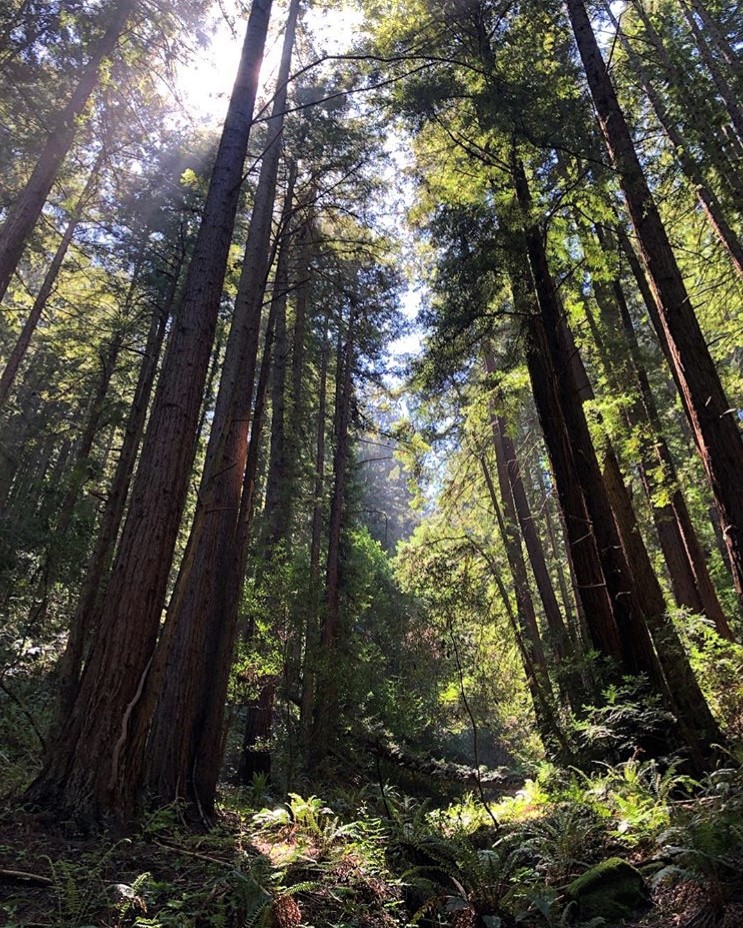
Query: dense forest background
{"points": [[371, 504]]}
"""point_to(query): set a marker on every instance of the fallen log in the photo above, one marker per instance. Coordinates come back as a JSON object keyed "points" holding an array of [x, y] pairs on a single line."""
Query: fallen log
{"points": [[25, 877], [440, 769]]}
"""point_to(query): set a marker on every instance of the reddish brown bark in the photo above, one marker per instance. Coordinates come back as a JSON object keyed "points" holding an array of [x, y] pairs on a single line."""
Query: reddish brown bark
{"points": [[197, 641], [708, 200], [28, 205], [637, 653], [591, 586], [687, 567], [676, 683], [45, 291], [682, 689], [710, 415], [93, 588], [95, 769]]}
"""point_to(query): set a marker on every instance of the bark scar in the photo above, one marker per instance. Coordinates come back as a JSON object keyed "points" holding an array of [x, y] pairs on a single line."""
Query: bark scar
{"points": [[125, 724]]}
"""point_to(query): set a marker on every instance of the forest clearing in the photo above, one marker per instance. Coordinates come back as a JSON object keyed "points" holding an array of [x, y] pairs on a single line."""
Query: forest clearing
{"points": [[371, 472]]}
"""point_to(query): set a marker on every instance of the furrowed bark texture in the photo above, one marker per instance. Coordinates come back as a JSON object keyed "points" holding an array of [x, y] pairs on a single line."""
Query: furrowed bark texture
{"points": [[711, 417], [687, 568], [184, 759], [93, 588], [96, 769]]}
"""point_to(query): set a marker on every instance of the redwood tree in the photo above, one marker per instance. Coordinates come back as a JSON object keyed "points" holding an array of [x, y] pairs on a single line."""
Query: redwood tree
{"points": [[29, 204], [95, 768], [710, 414]]}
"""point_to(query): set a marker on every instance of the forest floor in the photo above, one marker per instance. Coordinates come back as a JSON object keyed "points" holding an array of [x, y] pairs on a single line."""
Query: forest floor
{"points": [[359, 863]]}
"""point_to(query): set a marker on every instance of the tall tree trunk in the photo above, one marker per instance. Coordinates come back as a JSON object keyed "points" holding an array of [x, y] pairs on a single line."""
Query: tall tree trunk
{"points": [[184, 760], [637, 655], [699, 729], [295, 424], [515, 554], [637, 600], [584, 554], [687, 567], [93, 588], [45, 291], [728, 95], [576, 626], [79, 476], [30, 202], [719, 40], [695, 111], [256, 756], [715, 429], [299, 336], [95, 769], [650, 303], [681, 690], [523, 621], [552, 612], [312, 628], [326, 701], [624, 369], [706, 196], [278, 487]]}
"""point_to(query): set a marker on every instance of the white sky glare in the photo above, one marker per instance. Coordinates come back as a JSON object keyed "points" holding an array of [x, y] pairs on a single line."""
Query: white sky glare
{"points": [[205, 83]]}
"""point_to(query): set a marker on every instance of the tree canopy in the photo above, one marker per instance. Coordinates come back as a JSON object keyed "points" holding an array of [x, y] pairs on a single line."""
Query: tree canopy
{"points": [[378, 441]]}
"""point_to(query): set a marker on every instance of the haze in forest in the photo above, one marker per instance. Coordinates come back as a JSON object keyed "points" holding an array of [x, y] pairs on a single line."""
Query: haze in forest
{"points": [[371, 520]]}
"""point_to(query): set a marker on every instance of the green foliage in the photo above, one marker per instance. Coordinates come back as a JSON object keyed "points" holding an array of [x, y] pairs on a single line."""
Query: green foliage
{"points": [[612, 890], [312, 824], [566, 838], [718, 665], [492, 881], [631, 803], [80, 886], [26, 708], [461, 817], [705, 840], [426, 647], [628, 714], [639, 795]]}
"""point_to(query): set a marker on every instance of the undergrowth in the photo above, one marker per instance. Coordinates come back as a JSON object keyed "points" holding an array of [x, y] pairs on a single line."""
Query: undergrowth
{"points": [[384, 861]]}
